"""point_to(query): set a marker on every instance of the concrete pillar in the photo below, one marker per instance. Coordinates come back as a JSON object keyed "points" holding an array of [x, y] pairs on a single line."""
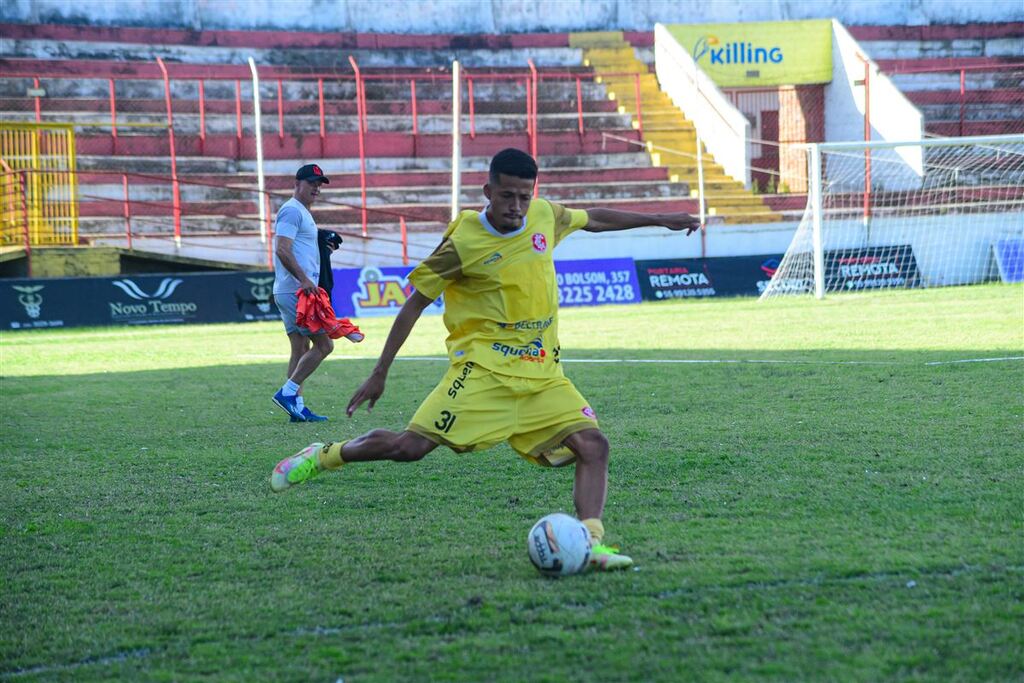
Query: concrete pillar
{"points": [[801, 120]]}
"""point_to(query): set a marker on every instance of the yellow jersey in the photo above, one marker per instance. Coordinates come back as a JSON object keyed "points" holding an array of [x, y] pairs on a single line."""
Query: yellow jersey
{"points": [[500, 293]]}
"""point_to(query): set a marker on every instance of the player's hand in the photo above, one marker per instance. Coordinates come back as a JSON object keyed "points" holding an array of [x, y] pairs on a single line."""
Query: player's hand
{"points": [[371, 390], [308, 286], [681, 221]]}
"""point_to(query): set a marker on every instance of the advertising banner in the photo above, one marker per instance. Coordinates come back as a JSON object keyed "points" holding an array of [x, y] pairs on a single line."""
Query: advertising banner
{"points": [[846, 270], [248, 296], [675, 279], [871, 268], [595, 282], [760, 53], [137, 300], [372, 291]]}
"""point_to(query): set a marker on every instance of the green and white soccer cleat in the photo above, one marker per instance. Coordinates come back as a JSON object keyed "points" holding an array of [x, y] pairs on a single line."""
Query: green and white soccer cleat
{"points": [[605, 558], [296, 469]]}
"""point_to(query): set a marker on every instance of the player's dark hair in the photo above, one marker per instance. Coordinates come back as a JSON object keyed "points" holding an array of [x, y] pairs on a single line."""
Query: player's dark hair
{"points": [[513, 162]]}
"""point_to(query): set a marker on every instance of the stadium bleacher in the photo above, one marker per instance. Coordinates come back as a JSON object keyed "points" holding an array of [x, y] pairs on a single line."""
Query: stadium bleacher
{"points": [[966, 79]]}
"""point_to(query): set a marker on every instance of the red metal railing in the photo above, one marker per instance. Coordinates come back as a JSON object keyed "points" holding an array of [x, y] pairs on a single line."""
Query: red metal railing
{"points": [[174, 157], [1009, 95], [209, 136], [361, 126], [137, 213]]}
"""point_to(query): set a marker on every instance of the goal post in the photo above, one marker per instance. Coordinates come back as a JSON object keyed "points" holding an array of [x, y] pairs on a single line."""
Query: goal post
{"points": [[895, 215]]}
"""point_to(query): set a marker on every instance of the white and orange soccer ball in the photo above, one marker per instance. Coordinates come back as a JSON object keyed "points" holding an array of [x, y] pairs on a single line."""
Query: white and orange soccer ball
{"points": [[559, 545]]}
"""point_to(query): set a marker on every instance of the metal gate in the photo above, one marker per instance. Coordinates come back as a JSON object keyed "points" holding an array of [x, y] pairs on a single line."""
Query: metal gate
{"points": [[37, 161]]}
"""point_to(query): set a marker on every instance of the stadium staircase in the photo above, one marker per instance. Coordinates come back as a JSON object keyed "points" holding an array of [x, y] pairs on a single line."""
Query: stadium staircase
{"points": [[670, 138]]}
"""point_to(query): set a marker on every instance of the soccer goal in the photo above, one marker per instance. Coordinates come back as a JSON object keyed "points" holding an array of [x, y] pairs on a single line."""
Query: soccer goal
{"points": [[927, 213]]}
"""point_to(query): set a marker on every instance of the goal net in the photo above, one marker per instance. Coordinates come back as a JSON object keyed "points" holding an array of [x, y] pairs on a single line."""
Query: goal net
{"points": [[929, 213]]}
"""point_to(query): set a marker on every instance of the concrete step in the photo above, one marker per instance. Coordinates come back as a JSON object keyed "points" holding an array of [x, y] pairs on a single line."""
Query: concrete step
{"points": [[346, 145], [750, 201], [195, 194], [189, 124], [954, 129], [588, 193], [160, 165], [597, 39], [975, 112], [595, 101], [954, 47], [633, 157], [1010, 79], [132, 92], [678, 139], [314, 57]]}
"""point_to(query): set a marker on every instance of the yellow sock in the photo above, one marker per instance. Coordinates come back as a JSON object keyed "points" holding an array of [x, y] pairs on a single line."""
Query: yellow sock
{"points": [[596, 529], [330, 456]]}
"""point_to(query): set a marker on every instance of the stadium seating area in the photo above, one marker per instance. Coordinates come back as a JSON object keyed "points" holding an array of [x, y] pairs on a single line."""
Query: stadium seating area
{"points": [[966, 79]]}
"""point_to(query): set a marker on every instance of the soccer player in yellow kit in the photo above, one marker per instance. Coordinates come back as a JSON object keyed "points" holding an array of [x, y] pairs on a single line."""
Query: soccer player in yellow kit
{"points": [[505, 383]]}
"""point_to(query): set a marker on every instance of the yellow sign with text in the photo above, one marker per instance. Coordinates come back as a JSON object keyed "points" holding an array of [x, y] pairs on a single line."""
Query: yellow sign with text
{"points": [[760, 53]]}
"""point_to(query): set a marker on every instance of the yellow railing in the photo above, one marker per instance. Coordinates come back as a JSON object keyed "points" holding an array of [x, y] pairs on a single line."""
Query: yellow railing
{"points": [[12, 207], [41, 181]]}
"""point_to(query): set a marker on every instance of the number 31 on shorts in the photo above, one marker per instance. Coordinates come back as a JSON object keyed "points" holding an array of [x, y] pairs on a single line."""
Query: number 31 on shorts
{"points": [[445, 422]]}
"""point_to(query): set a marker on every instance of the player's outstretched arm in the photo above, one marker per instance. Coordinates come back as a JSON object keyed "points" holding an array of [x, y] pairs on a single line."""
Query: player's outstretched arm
{"points": [[605, 220], [373, 387]]}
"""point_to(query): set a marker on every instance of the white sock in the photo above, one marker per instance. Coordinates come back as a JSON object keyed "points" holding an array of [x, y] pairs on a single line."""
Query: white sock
{"points": [[299, 402], [290, 388]]}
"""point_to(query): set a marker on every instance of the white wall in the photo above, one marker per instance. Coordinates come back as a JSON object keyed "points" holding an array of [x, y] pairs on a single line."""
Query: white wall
{"points": [[942, 261], [492, 16], [723, 128], [893, 116], [644, 243]]}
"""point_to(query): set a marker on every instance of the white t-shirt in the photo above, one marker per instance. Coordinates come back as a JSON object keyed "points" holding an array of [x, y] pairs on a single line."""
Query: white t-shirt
{"points": [[295, 222]]}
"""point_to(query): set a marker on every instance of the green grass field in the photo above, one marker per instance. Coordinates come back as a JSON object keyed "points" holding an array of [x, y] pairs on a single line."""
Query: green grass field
{"points": [[851, 510]]}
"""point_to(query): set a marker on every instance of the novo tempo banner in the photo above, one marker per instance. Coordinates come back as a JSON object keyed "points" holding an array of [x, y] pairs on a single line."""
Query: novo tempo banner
{"points": [[137, 300]]}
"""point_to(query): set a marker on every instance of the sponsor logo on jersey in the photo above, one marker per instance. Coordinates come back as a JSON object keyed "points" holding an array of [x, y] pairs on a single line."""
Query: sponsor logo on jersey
{"points": [[589, 412], [531, 353], [529, 324], [540, 242], [493, 258]]}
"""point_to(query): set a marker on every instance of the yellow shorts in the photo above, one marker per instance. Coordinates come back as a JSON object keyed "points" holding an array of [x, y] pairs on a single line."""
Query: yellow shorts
{"points": [[473, 409]]}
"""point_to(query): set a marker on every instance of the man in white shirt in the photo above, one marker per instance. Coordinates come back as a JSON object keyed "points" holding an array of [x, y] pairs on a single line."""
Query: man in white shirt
{"points": [[297, 267]]}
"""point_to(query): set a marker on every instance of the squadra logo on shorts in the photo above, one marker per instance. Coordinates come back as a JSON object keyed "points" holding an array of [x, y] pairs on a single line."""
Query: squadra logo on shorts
{"points": [[540, 242], [589, 412]]}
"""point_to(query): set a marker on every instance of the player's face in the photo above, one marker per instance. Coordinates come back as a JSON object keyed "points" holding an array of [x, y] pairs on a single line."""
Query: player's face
{"points": [[510, 200], [306, 191]]}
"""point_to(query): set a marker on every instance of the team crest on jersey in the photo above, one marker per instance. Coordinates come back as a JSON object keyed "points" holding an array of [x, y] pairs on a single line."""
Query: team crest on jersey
{"points": [[540, 242]]}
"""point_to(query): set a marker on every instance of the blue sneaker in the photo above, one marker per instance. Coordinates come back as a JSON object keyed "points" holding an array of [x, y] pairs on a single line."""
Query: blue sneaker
{"points": [[287, 404], [309, 416]]}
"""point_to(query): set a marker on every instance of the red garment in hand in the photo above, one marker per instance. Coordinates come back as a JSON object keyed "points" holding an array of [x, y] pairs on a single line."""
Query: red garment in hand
{"points": [[315, 313]]}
